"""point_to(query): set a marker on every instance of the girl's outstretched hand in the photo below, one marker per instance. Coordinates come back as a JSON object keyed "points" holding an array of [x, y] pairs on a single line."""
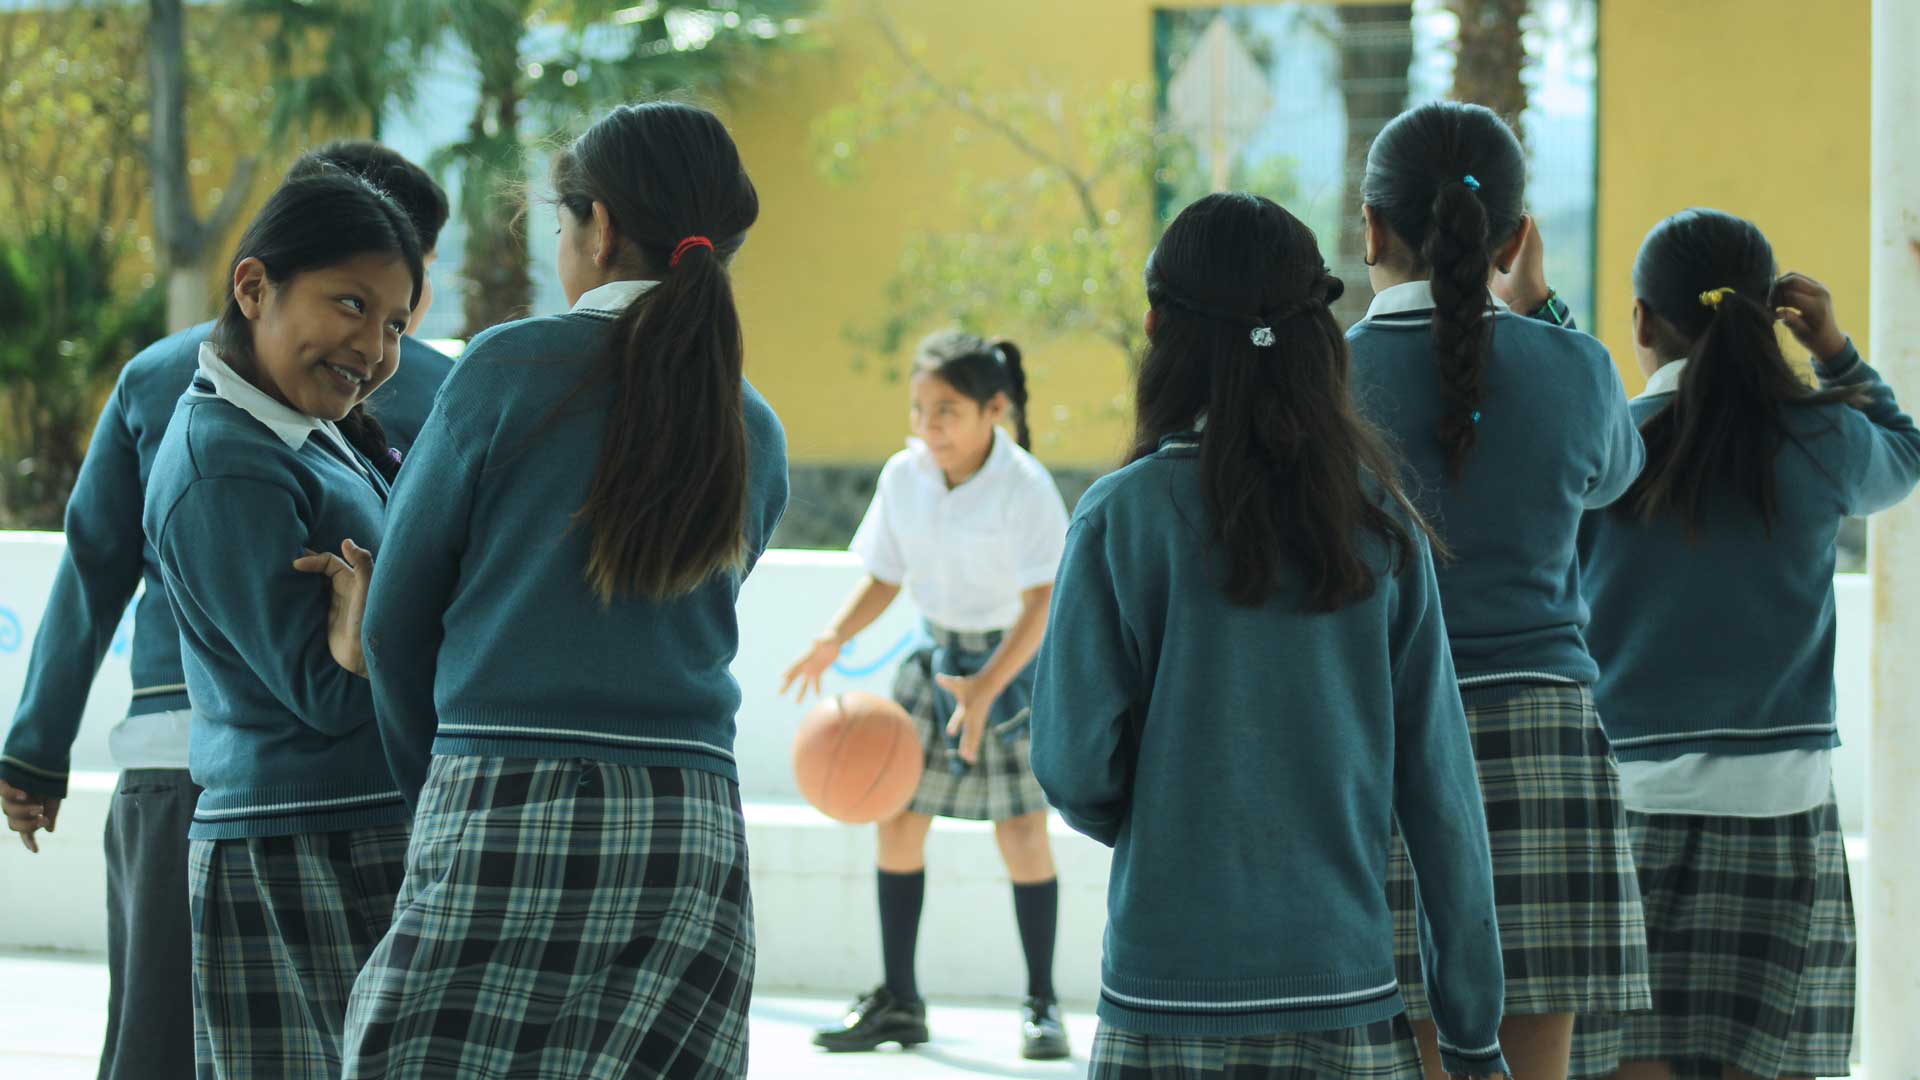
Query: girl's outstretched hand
{"points": [[970, 718], [350, 578], [811, 667]]}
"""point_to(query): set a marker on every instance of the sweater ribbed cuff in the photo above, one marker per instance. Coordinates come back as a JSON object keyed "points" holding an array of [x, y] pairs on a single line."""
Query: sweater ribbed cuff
{"points": [[34, 779], [1473, 1061]]}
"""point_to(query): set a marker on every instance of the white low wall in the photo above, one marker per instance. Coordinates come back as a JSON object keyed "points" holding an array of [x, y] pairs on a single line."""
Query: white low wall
{"points": [[812, 878]]}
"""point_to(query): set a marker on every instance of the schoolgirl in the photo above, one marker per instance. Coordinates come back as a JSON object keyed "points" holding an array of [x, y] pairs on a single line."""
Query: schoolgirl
{"points": [[1711, 585], [1511, 429], [1246, 678], [149, 955], [548, 638], [297, 838], [971, 525]]}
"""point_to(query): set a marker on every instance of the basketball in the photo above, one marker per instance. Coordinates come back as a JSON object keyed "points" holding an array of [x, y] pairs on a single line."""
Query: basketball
{"points": [[857, 758]]}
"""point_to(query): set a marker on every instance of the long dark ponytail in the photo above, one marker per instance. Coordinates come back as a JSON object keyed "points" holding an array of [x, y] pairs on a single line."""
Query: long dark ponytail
{"points": [[316, 221], [667, 505], [1244, 337], [1450, 181], [979, 369], [1710, 276]]}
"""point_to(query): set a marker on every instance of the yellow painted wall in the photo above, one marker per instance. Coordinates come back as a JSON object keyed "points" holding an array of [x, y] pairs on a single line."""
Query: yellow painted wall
{"points": [[1758, 107]]}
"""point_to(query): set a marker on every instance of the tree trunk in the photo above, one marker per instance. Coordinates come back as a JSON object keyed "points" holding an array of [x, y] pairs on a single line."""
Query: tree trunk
{"points": [[184, 239], [493, 202], [1490, 54], [188, 299], [1376, 51]]}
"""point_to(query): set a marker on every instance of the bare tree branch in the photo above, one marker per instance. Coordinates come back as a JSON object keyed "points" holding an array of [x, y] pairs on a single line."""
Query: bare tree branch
{"points": [[964, 103]]}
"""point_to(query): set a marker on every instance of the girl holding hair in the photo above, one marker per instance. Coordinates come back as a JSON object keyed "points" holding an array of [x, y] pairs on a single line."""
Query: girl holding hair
{"points": [[297, 840], [1511, 428], [968, 521], [549, 636], [1713, 623], [1247, 646]]}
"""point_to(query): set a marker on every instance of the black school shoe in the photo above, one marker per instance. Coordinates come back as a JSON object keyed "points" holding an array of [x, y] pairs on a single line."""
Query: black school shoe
{"points": [[873, 1021], [1042, 1036]]}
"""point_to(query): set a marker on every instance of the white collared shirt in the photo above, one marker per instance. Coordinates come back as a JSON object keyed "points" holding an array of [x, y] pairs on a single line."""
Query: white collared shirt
{"points": [[611, 298], [292, 426], [1665, 379], [1411, 296], [965, 554]]}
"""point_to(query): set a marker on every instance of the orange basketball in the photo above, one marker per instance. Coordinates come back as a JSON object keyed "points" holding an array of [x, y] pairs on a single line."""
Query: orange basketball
{"points": [[857, 758]]}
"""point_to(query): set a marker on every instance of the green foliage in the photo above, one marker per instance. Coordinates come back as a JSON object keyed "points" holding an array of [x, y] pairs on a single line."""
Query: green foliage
{"points": [[543, 69], [1053, 246], [65, 329]]}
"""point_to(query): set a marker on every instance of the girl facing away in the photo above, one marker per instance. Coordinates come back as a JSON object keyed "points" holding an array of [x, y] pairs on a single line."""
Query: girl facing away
{"points": [[1711, 584], [1246, 679]]}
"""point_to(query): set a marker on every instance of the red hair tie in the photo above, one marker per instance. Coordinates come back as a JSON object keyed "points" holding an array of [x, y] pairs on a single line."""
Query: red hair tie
{"points": [[687, 245]]}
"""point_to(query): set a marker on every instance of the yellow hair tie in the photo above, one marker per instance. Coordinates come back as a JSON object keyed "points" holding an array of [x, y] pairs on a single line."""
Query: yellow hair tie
{"points": [[1712, 297]]}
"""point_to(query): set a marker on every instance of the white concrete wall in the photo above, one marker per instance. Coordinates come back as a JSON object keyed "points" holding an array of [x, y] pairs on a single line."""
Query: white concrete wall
{"points": [[812, 878]]}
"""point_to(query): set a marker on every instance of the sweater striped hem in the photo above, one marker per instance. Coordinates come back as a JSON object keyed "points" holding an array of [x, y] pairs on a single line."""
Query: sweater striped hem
{"points": [[1500, 678], [548, 744], [1661, 746], [148, 700], [257, 817], [1247, 1006]]}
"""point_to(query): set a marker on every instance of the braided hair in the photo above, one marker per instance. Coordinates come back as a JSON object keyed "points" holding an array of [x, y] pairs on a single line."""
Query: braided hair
{"points": [[1450, 181]]}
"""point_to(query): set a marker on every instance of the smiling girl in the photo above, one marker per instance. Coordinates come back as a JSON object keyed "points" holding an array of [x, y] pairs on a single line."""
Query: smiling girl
{"points": [[297, 842]]}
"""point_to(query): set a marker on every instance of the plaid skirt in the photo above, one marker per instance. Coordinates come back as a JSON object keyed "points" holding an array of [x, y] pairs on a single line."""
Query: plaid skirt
{"points": [[1001, 784], [563, 920], [1572, 935], [1750, 931], [281, 926], [1383, 1050]]}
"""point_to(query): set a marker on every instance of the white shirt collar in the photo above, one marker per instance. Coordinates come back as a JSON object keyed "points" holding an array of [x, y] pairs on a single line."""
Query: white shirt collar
{"points": [[1665, 379], [613, 297], [1410, 296], [291, 425], [923, 458]]}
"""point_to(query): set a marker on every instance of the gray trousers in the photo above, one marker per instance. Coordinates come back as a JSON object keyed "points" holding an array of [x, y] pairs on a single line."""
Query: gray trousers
{"points": [[149, 930]]}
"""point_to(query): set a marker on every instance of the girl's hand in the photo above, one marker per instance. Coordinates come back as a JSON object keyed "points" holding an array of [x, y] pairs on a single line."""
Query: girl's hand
{"points": [[811, 667], [1806, 307], [347, 609], [28, 813], [970, 717], [1523, 285]]}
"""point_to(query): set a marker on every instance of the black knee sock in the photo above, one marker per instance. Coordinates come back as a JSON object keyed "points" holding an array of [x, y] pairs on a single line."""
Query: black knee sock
{"points": [[1036, 908], [900, 897]]}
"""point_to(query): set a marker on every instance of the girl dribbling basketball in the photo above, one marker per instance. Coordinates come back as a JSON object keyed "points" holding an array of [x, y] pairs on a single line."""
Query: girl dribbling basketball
{"points": [[972, 525]]}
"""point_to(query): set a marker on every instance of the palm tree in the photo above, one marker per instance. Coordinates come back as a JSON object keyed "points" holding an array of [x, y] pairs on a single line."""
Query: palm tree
{"points": [[540, 66], [1491, 55]]}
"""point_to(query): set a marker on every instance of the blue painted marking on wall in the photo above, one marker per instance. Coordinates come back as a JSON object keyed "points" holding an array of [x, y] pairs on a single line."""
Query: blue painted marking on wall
{"points": [[908, 641], [123, 634]]}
